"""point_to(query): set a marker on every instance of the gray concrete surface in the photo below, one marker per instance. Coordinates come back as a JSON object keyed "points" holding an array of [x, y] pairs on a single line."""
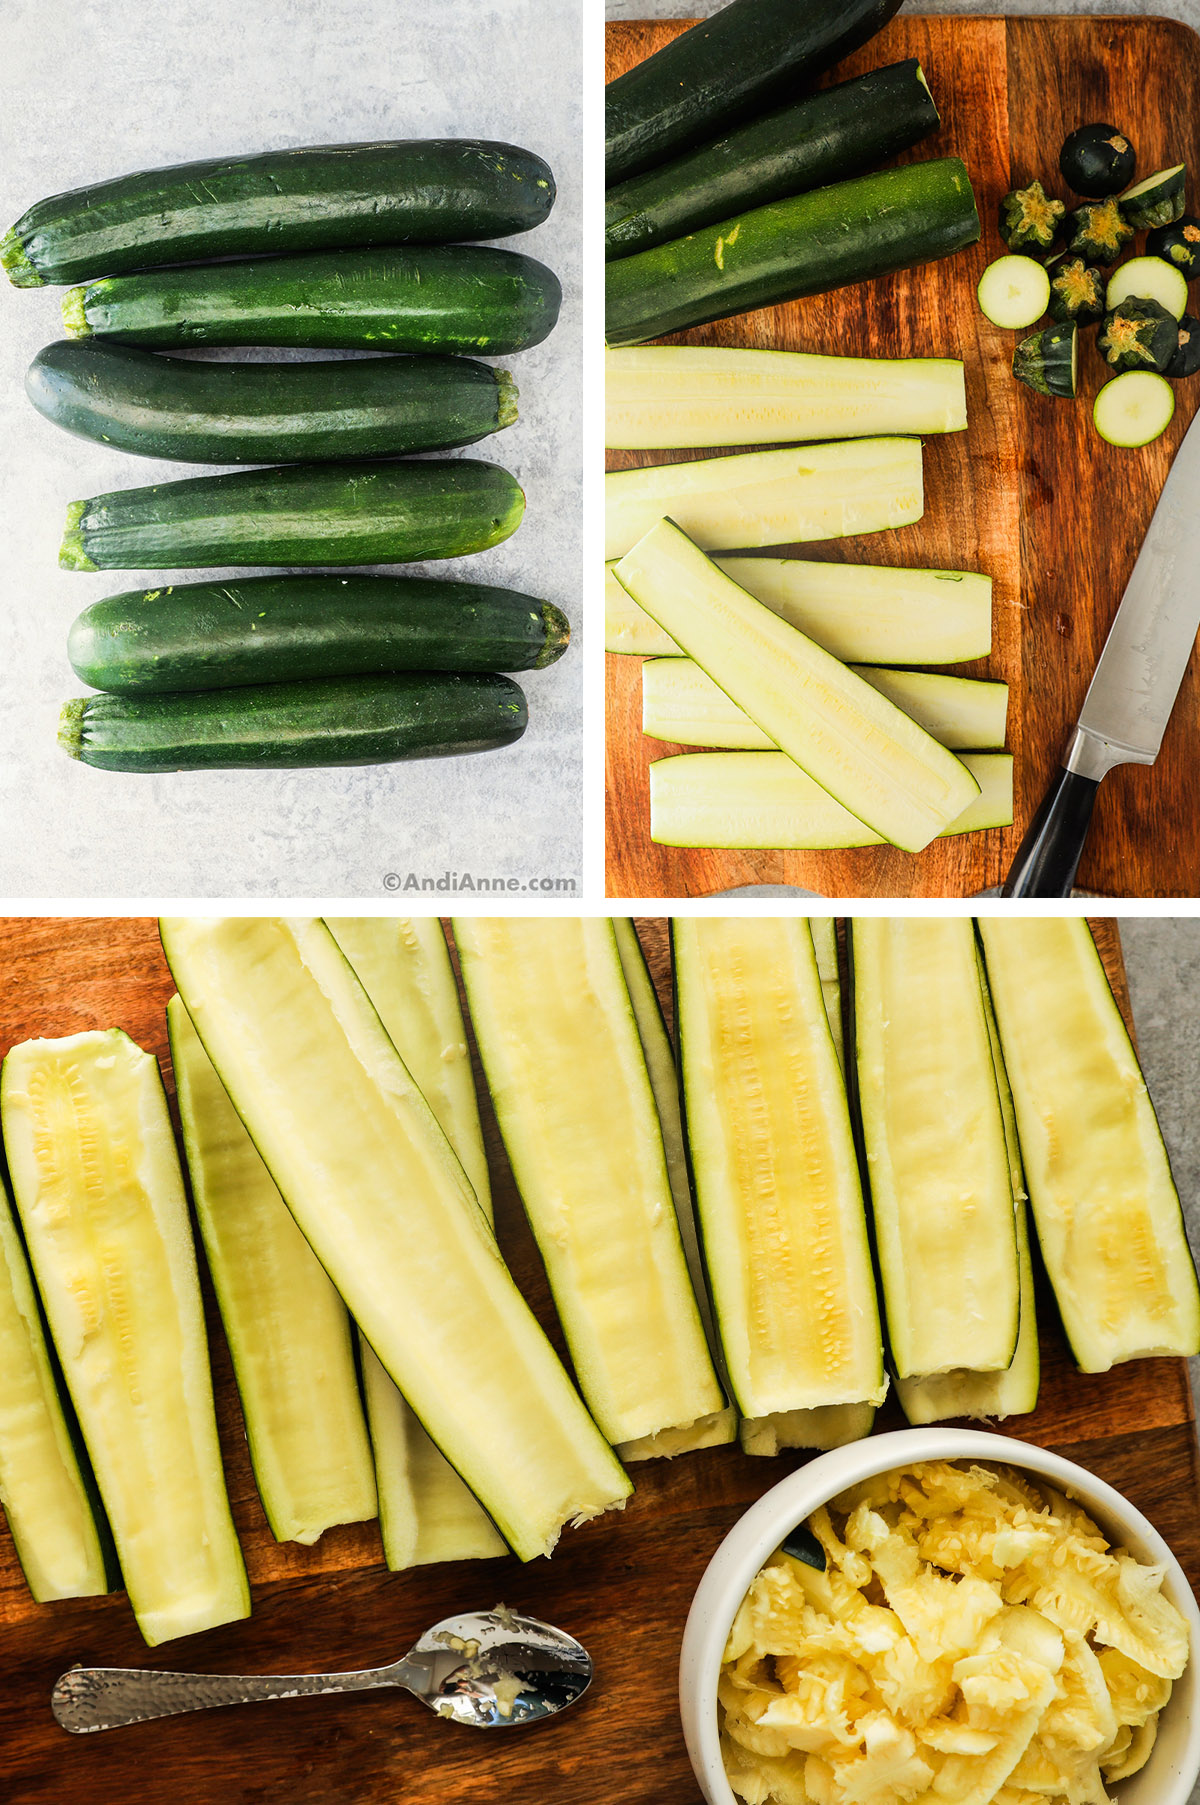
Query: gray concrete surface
{"points": [[93, 91]]}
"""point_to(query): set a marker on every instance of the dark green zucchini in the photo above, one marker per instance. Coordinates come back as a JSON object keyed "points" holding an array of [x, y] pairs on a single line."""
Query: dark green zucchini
{"points": [[1097, 160], [1178, 243], [1139, 335], [748, 57], [262, 413], [283, 628], [827, 137], [1098, 232], [1030, 219], [463, 297], [433, 190], [298, 514], [1046, 360], [1077, 292], [814, 242], [1186, 359], [1157, 200], [277, 726]]}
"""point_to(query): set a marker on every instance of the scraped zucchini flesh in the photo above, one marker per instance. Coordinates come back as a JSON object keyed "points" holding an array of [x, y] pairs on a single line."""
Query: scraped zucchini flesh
{"points": [[100, 1196], [828, 1426], [659, 396], [933, 1134], [43, 1492], [681, 702], [777, 1185], [286, 1326], [377, 1190], [769, 497], [567, 1076], [1104, 1202], [764, 800], [851, 740]]}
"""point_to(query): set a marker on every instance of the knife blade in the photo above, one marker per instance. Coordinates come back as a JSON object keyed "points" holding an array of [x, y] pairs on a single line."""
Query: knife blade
{"points": [[1134, 686]]}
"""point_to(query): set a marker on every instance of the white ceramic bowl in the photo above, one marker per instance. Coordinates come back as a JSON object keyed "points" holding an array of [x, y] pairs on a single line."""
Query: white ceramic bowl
{"points": [[1172, 1770]]}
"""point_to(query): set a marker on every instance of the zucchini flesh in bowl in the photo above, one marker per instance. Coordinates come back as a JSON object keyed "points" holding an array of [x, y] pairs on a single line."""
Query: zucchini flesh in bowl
{"points": [[933, 1136], [828, 1426], [764, 800], [769, 497], [777, 1184], [857, 745], [1104, 1203], [862, 613], [100, 1196], [680, 702], [46, 1501], [679, 395], [548, 1000], [287, 1328], [389, 1212]]}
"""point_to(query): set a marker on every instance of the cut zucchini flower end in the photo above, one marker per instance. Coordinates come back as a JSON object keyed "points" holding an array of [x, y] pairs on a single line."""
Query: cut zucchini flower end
{"points": [[70, 726], [558, 636], [506, 398], [21, 272], [71, 554], [75, 318]]}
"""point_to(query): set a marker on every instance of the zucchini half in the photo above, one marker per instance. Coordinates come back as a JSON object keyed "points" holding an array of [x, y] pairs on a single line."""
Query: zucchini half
{"points": [[823, 929], [936, 1156], [777, 1184], [857, 745], [45, 1495], [1104, 1203], [568, 1080], [389, 1212], [100, 1195], [287, 1328]]}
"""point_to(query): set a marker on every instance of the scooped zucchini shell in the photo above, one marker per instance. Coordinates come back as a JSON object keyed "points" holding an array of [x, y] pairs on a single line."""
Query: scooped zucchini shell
{"points": [[1139, 335], [1045, 361], [1030, 219], [1098, 231], [1186, 360], [1178, 243], [1097, 160], [1077, 292], [1158, 201]]}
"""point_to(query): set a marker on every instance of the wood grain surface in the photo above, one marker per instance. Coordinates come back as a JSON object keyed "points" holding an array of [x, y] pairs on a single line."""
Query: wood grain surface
{"points": [[1030, 493], [622, 1584]]}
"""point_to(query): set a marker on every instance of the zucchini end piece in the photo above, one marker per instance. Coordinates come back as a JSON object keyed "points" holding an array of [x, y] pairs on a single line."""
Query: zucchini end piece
{"points": [[71, 555], [14, 260], [558, 636], [506, 399], [74, 313], [70, 726]]}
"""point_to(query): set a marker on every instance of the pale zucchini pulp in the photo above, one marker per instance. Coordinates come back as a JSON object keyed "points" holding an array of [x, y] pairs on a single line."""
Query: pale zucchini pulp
{"points": [[823, 929], [100, 1195]]}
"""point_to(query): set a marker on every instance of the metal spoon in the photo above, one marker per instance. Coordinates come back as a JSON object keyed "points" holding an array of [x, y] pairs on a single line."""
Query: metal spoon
{"points": [[490, 1669]]}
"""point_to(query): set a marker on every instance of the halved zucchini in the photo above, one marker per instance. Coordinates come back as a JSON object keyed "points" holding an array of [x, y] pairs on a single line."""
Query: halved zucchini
{"points": [[777, 1184], [769, 497], [100, 1195], [933, 1134], [549, 1005], [681, 702], [1148, 279], [823, 929], [860, 747], [376, 1188], [1104, 1202], [44, 1493], [287, 1328], [658, 396], [763, 800], [1157, 200], [828, 1426]]}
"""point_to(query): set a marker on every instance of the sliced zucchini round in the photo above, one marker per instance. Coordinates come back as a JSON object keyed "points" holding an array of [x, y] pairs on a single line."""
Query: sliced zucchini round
{"points": [[1047, 360], [1097, 160], [1076, 292], [1186, 360], [1014, 291], [1098, 231], [1158, 201], [1139, 335], [1178, 244], [1133, 409], [1030, 217], [1148, 279]]}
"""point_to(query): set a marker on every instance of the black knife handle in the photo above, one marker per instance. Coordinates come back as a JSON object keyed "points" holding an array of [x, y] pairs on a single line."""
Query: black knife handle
{"points": [[1048, 857]]}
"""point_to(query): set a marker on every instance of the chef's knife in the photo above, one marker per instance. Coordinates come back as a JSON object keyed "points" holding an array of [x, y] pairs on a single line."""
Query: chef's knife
{"points": [[1133, 689]]}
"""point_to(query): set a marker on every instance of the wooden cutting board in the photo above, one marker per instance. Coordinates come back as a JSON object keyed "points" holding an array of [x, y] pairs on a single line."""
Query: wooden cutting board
{"points": [[1029, 494], [623, 1584]]}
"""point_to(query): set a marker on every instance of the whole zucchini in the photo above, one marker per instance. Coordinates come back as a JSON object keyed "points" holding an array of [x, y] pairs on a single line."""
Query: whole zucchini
{"points": [[432, 190], [391, 513], [260, 413], [283, 628], [814, 242], [463, 297], [826, 137], [744, 59], [277, 726]]}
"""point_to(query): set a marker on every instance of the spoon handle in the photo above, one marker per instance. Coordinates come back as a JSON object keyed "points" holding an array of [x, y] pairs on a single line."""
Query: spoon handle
{"points": [[101, 1698]]}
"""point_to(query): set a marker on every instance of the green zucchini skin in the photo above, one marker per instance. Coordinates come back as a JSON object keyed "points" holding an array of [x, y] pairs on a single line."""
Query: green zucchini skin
{"points": [[849, 232], [448, 298], [262, 413], [286, 628], [826, 137], [724, 69], [368, 513], [430, 191], [279, 726]]}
